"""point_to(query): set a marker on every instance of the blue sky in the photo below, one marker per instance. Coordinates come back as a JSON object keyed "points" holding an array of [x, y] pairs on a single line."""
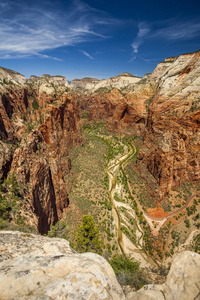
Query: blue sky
{"points": [[98, 38]]}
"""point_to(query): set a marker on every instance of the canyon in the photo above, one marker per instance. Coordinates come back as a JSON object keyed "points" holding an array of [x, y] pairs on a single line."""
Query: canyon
{"points": [[125, 150]]}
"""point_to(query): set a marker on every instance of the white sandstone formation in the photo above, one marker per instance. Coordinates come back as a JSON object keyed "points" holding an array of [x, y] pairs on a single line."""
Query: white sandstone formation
{"points": [[49, 84], [183, 281], [9, 77], [37, 267], [92, 84]]}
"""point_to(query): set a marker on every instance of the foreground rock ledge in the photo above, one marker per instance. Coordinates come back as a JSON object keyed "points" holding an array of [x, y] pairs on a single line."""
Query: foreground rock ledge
{"points": [[38, 267]]}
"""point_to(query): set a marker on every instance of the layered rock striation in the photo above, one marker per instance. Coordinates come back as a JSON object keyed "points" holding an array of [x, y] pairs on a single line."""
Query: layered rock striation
{"points": [[172, 132], [91, 85]]}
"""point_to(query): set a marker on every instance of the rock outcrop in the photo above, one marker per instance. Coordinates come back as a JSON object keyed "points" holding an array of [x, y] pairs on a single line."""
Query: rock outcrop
{"points": [[86, 83], [183, 281], [91, 85], [41, 162], [10, 77], [50, 85], [164, 108], [36, 267]]}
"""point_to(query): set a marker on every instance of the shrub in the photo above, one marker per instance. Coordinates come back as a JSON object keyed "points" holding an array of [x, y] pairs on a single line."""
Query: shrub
{"points": [[35, 104], [29, 127], [187, 223], [60, 229], [127, 271], [4, 208]]}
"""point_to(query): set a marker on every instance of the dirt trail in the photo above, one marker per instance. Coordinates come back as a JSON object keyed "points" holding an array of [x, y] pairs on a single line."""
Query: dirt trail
{"points": [[112, 179], [126, 246]]}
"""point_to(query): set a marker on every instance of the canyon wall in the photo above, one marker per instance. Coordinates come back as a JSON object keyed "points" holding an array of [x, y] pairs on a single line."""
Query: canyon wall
{"points": [[171, 139], [163, 108], [40, 121], [37, 131]]}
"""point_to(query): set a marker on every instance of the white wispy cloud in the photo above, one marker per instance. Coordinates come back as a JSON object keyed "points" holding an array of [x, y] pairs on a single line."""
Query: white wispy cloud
{"points": [[31, 29], [148, 60], [179, 31], [143, 31], [166, 30], [132, 59], [87, 54]]}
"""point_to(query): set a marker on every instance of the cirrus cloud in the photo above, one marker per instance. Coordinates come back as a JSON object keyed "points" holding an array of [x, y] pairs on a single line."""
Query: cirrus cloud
{"points": [[168, 30], [30, 29]]}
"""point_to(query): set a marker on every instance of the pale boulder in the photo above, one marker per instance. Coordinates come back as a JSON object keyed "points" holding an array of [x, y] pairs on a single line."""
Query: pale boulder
{"points": [[183, 281], [37, 267]]}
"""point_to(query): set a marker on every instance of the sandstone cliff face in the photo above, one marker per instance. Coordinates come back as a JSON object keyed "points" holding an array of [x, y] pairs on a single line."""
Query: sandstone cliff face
{"points": [[164, 108], [119, 110], [173, 128], [91, 85], [12, 101], [41, 120], [122, 100], [50, 85], [42, 127], [42, 162], [86, 83], [5, 160], [9, 77]]}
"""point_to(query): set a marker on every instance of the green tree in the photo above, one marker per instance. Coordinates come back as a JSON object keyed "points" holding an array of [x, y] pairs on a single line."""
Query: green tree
{"points": [[87, 237]]}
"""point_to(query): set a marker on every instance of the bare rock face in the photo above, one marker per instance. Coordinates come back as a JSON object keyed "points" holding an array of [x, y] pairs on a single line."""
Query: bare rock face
{"points": [[48, 85], [85, 83], [5, 160], [10, 77], [37, 129], [13, 101], [172, 132], [41, 162], [36, 267], [91, 85], [183, 281], [120, 112]]}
